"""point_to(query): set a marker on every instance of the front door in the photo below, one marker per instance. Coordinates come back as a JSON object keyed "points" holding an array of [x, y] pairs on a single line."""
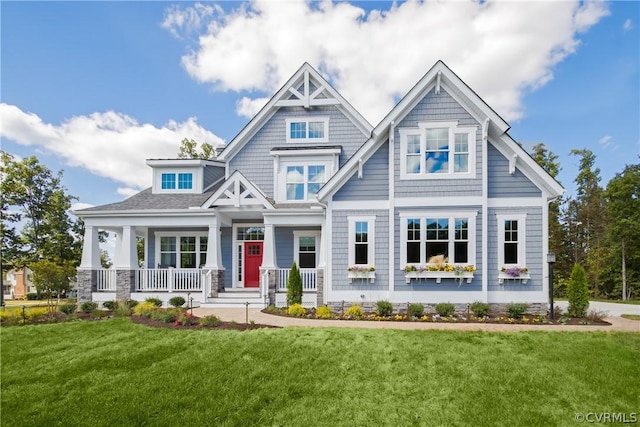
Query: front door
{"points": [[252, 263]]}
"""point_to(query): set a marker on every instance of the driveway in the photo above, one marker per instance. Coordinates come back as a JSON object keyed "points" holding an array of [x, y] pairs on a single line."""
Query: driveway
{"points": [[613, 309]]}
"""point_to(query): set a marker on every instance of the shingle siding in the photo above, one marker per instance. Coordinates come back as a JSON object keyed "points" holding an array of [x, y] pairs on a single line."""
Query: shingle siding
{"points": [[212, 174], [255, 162], [503, 184], [374, 184]]}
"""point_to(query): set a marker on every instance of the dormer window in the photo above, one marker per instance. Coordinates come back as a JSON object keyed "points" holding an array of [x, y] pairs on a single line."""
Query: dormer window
{"points": [[185, 181], [168, 181], [304, 181], [314, 129]]}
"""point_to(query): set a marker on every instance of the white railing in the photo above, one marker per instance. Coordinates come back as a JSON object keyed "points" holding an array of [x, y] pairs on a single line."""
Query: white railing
{"points": [[170, 280], [308, 279], [106, 280]]}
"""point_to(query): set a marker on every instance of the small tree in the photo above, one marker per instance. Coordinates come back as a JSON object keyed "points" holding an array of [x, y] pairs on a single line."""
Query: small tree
{"points": [[578, 292], [51, 279], [294, 286]]}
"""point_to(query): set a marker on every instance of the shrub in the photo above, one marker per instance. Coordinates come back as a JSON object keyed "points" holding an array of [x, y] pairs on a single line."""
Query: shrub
{"points": [[294, 286], [123, 310], [145, 309], [32, 296], [132, 303], [517, 310], [324, 312], [36, 313], [210, 320], [597, 316], [177, 302], [88, 306], [110, 305], [68, 308], [578, 292], [296, 310], [415, 309], [184, 318], [98, 314], [384, 308], [480, 309], [354, 312], [10, 317], [155, 301], [167, 316], [445, 309]]}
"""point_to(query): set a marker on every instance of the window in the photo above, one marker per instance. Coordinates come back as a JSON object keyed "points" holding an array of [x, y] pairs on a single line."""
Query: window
{"points": [[168, 251], [511, 244], [361, 240], [306, 248], [185, 181], [182, 251], [425, 235], [304, 181], [168, 181], [308, 130], [437, 150]]}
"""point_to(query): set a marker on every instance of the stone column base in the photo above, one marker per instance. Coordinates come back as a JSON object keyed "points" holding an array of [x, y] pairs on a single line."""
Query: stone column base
{"points": [[217, 282], [319, 287], [87, 283]]}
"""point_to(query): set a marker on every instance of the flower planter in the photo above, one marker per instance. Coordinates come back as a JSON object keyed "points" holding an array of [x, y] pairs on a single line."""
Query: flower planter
{"points": [[361, 275], [438, 275], [523, 278]]}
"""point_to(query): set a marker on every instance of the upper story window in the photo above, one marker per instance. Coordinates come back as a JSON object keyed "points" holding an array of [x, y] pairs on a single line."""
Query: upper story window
{"points": [[314, 129], [304, 181], [300, 173], [437, 150], [177, 182], [168, 181], [185, 181]]}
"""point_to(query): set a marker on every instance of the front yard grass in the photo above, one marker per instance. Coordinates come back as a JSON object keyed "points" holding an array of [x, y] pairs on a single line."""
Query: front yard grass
{"points": [[631, 316], [114, 372]]}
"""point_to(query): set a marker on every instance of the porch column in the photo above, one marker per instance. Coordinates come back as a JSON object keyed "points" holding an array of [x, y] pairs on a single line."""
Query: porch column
{"points": [[127, 256], [90, 249], [269, 252], [214, 246]]}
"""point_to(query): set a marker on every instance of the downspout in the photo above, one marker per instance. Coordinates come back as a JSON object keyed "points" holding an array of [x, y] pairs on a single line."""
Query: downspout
{"points": [[485, 211]]}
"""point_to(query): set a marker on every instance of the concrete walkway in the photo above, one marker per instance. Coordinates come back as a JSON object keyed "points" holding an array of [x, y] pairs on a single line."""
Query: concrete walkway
{"points": [[239, 315]]}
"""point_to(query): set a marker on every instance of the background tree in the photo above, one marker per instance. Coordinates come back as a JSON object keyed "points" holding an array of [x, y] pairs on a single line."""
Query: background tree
{"points": [[189, 150], [52, 279]]}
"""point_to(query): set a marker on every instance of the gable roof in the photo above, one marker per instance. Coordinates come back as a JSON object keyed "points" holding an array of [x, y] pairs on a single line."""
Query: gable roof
{"points": [[439, 75], [316, 91], [237, 191]]}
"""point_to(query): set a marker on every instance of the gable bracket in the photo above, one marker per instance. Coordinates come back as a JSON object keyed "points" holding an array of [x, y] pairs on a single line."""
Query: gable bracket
{"points": [[485, 130], [360, 173], [512, 164], [438, 82]]}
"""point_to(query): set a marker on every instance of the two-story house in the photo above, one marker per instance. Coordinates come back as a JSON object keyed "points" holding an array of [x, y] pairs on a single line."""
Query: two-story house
{"points": [[437, 203]]}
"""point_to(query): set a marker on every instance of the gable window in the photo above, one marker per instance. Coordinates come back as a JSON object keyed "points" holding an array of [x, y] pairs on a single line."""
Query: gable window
{"points": [[511, 240], [185, 181], [361, 241], [437, 150], [168, 181], [313, 129], [304, 182], [425, 235]]}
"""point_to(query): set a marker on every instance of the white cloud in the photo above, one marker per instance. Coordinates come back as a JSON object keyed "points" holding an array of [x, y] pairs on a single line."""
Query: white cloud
{"points": [[628, 25], [109, 144], [126, 191], [189, 20], [606, 142], [247, 107], [80, 205], [501, 49]]}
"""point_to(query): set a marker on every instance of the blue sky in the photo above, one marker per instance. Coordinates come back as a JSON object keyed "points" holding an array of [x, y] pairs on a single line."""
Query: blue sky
{"points": [[95, 88]]}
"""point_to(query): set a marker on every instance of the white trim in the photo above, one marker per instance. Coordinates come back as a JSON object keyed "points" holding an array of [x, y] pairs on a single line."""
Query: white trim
{"points": [[516, 202], [370, 204], [196, 180], [235, 283], [296, 244], [306, 152], [371, 241], [230, 194], [522, 238], [391, 216], [307, 120], [504, 297], [179, 163], [328, 271], [421, 202], [280, 178], [485, 210]]}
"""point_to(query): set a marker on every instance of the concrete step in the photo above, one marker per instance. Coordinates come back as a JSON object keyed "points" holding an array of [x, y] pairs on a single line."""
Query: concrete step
{"points": [[216, 303]]}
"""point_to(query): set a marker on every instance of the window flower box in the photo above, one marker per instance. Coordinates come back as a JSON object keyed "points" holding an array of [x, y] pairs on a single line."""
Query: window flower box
{"points": [[439, 272], [359, 272], [517, 273]]}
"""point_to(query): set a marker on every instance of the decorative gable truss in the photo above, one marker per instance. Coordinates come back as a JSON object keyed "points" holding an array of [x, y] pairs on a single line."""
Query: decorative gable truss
{"points": [[309, 93], [238, 192]]}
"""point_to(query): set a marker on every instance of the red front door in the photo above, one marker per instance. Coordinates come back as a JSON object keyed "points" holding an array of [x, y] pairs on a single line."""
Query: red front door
{"points": [[252, 263]]}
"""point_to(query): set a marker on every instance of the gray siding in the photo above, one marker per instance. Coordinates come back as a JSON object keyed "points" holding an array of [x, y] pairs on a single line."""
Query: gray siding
{"points": [[255, 162], [441, 107], [212, 174], [446, 284], [340, 251], [533, 250], [284, 246], [374, 185], [502, 184]]}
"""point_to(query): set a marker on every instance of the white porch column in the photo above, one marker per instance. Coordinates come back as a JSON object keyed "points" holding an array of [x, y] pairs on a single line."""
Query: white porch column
{"points": [[214, 246], [127, 252], [269, 251], [90, 249]]}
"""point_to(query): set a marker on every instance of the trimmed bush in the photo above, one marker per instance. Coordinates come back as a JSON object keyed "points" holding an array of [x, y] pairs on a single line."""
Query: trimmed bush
{"points": [[210, 320], [445, 309], [98, 314], [36, 313], [294, 286], [354, 312], [132, 303], [324, 312], [32, 296], [122, 310], [177, 301], [155, 301], [88, 306], [480, 309], [415, 309], [517, 310], [110, 305], [578, 292], [384, 308], [67, 308], [145, 309], [296, 310]]}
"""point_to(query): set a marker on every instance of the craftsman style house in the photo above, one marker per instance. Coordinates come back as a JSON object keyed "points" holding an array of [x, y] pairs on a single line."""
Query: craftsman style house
{"points": [[437, 203]]}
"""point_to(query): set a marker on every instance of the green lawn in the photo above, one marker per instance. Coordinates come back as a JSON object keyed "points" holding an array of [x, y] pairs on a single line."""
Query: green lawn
{"points": [[631, 316], [614, 301], [116, 373]]}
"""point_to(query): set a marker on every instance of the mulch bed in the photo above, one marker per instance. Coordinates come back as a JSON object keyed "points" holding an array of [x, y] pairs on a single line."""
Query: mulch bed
{"points": [[146, 321]]}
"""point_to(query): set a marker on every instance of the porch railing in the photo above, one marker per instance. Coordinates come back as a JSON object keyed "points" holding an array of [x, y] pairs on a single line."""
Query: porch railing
{"points": [[169, 280], [308, 279], [106, 280]]}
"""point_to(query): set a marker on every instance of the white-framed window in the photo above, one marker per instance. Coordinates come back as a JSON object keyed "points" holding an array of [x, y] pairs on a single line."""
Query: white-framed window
{"points": [[298, 180], [181, 250], [177, 180], [168, 181], [306, 248], [437, 150], [311, 129], [512, 239], [361, 240], [427, 234], [185, 181]]}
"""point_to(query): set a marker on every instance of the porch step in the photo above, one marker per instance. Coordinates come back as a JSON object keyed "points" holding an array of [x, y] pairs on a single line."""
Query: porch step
{"points": [[234, 300]]}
